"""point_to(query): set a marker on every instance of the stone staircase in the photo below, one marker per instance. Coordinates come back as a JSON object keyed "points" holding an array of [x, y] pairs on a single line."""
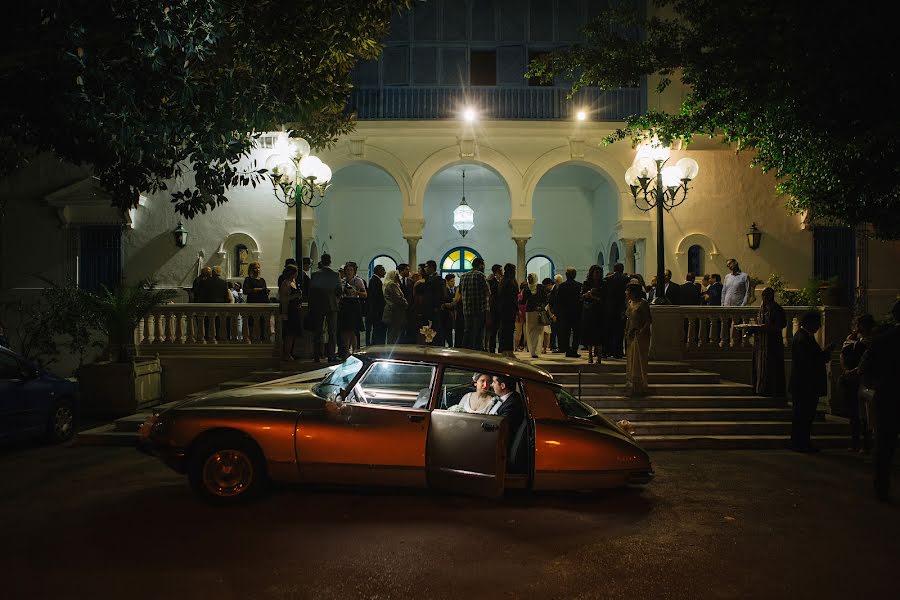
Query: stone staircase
{"points": [[687, 408], [123, 431]]}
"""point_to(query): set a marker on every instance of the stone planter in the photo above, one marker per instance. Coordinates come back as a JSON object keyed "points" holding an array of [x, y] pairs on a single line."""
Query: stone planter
{"points": [[112, 390]]}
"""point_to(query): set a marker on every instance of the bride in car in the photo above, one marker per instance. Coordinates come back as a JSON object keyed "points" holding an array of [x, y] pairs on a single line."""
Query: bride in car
{"points": [[481, 400]]}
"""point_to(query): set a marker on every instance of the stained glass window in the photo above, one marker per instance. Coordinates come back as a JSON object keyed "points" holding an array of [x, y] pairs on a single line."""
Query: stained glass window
{"points": [[458, 260]]}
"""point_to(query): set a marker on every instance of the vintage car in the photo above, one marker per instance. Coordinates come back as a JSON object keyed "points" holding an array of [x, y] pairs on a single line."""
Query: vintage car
{"points": [[383, 417]]}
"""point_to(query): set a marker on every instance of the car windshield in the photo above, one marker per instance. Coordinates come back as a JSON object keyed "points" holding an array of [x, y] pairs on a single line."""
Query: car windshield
{"points": [[340, 378], [572, 406]]}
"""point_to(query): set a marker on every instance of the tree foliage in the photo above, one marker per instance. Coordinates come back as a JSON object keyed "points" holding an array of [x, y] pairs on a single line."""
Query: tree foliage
{"points": [[146, 92], [808, 88]]}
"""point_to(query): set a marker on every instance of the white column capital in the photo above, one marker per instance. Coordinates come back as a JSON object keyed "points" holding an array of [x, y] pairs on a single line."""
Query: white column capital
{"points": [[521, 228], [412, 227]]}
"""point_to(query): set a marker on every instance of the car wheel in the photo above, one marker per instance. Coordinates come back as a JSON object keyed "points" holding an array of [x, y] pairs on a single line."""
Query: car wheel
{"points": [[61, 422], [227, 469]]}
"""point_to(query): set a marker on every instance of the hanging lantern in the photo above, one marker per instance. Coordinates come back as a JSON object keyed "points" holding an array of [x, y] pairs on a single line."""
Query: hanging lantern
{"points": [[463, 215], [754, 237]]}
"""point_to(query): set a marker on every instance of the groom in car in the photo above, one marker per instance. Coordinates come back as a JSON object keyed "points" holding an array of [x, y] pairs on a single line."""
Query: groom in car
{"points": [[509, 405]]}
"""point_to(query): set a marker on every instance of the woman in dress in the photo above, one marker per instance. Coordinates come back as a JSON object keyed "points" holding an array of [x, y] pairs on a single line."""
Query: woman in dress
{"points": [[592, 329], [637, 334], [768, 347], [534, 297], [289, 303], [350, 311], [481, 400], [507, 308], [395, 308]]}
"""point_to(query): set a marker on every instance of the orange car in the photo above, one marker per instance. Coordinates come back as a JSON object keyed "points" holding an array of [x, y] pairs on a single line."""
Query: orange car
{"points": [[390, 416]]}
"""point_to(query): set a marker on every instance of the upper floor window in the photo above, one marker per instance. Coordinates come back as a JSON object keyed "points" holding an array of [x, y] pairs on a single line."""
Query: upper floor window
{"points": [[695, 260]]}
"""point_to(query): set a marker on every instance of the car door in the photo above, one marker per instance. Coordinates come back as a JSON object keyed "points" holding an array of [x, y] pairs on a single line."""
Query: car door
{"points": [[377, 435], [19, 397], [466, 451]]}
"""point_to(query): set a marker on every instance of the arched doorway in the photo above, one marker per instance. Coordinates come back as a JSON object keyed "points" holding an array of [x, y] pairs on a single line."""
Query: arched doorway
{"points": [[385, 261], [575, 209], [542, 266]]}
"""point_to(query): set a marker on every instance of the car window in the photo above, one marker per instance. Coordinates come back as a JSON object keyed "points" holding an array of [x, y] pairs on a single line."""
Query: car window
{"points": [[455, 384], [340, 378], [572, 406], [9, 367], [396, 384]]}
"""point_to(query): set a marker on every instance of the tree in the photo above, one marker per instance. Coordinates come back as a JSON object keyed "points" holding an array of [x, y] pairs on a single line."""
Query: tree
{"points": [[802, 86], [149, 92]]}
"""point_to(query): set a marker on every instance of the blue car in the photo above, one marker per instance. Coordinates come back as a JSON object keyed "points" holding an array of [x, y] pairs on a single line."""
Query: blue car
{"points": [[34, 402]]}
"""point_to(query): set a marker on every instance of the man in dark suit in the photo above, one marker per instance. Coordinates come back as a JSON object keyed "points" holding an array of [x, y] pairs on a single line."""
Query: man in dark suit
{"points": [[670, 290], [567, 308], [493, 318], [880, 369], [376, 306], [406, 286], [614, 289], [714, 291], [324, 293], [808, 379], [510, 406], [689, 295]]}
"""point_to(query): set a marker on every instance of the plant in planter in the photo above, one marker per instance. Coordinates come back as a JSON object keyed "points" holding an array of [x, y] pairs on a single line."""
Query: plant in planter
{"points": [[121, 384], [807, 296]]}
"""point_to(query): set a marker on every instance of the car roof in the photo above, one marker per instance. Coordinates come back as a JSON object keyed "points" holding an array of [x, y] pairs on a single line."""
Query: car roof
{"points": [[458, 357]]}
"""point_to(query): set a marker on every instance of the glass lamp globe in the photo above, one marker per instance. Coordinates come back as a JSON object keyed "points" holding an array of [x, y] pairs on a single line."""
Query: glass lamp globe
{"points": [[631, 176], [689, 168], [645, 166], [309, 166], [463, 218], [282, 145], [298, 148], [671, 176], [323, 174], [658, 151]]}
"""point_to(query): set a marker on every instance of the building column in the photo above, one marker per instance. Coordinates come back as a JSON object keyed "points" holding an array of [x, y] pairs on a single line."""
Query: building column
{"points": [[412, 242], [412, 229], [630, 266], [522, 228], [520, 257]]}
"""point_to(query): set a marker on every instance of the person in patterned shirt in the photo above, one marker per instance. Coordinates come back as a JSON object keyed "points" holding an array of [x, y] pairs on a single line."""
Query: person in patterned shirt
{"points": [[474, 297]]}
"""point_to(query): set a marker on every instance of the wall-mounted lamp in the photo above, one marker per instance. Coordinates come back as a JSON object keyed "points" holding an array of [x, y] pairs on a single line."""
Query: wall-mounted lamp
{"points": [[754, 237], [181, 236]]}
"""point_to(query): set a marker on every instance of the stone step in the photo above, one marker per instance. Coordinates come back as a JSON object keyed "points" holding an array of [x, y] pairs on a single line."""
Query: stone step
{"points": [[613, 366], [106, 435], [717, 428], [604, 402], [692, 442], [654, 378], [726, 389], [637, 415]]}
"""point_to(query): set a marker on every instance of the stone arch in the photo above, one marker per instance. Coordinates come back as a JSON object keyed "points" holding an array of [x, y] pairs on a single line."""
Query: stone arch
{"points": [[710, 250], [376, 157], [227, 248], [449, 156], [603, 163]]}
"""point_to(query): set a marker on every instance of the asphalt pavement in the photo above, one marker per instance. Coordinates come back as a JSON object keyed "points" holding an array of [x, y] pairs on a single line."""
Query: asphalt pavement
{"points": [[100, 522]]}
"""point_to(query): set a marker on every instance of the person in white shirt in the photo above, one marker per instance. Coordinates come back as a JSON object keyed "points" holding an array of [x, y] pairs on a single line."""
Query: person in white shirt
{"points": [[480, 401], [736, 288]]}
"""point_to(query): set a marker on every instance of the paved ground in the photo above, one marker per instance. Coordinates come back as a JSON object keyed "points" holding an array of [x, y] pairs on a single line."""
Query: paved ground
{"points": [[88, 522]]}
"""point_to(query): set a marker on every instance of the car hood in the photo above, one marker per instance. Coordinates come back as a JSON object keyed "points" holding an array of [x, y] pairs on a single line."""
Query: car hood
{"points": [[297, 396]]}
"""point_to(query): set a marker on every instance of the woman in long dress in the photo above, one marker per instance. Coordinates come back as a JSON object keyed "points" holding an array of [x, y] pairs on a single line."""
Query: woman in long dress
{"points": [[768, 347], [592, 322], [534, 297], [637, 332], [395, 308]]}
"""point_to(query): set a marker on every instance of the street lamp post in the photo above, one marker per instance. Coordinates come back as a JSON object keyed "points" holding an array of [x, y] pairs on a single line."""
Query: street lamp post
{"points": [[670, 190], [299, 179]]}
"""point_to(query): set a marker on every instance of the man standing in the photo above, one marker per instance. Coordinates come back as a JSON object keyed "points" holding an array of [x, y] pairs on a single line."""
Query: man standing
{"points": [[880, 369], [714, 291], [808, 380], [475, 294], [492, 319], [376, 307], [406, 286], [615, 311], [510, 405], [670, 290], [304, 278], [568, 311], [736, 289], [689, 295], [431, 305], [324, 293]]}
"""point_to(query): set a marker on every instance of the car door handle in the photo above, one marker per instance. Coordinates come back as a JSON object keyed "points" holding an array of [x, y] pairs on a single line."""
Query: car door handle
{"points": [[490, 426], [415, 418]]}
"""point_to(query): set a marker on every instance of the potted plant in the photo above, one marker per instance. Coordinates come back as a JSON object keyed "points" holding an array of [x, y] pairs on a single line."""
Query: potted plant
{"points": [[831, 291], [120, 384]]}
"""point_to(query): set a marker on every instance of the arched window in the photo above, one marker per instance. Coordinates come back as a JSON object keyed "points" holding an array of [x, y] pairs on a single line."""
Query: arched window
{"points": [[241, 261], [695, 260], [614, 254], [601, 263], [458, 260], [385, 261], [540, 265]]}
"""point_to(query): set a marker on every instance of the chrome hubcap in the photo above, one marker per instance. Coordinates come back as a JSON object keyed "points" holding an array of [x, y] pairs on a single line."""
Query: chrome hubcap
{"points": [[62, 422], [227, 473]]}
